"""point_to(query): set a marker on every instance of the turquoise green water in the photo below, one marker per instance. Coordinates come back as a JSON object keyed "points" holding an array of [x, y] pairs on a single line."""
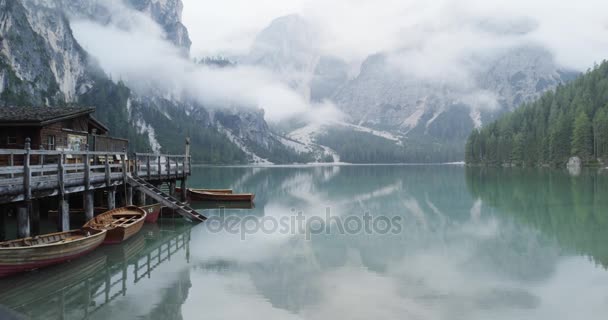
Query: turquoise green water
{"points": [[353, 242]]}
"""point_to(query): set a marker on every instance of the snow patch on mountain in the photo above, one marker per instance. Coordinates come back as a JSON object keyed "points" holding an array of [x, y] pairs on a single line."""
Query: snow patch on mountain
{"points": [[144, 128], [254, 158]]}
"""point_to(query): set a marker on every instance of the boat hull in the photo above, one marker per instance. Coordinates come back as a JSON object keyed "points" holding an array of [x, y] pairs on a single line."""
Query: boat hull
{"points": [[22, 259], [118, 233], [226, 191], [152, 212], [211, 196]]}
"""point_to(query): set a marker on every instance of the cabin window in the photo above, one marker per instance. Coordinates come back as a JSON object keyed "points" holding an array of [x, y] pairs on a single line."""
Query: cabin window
{"points": [[50, 142], [11, 137]]}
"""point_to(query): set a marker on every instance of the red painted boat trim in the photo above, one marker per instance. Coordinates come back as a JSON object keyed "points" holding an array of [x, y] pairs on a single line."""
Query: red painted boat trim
{"points": [[14, 269], [152, 217]]}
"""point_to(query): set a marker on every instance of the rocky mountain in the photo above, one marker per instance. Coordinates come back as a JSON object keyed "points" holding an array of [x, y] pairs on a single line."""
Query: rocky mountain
{"points": [[431, 114], [430, 111], [42, 64], [287, 47]]}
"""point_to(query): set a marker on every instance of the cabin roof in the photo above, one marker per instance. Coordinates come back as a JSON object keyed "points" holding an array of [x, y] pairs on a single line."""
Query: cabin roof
{"points": [[40, 116]]}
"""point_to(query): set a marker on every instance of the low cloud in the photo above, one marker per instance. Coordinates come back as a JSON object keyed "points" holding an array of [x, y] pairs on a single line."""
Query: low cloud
{"points": [[353, 30], [134, 49]]}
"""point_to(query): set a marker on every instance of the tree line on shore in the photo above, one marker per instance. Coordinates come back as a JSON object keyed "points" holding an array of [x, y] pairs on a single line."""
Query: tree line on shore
{"points": [[570, 121]]}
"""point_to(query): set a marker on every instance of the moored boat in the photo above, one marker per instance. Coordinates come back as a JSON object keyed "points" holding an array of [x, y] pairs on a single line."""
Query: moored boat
{"points": [[213, 196], [227, 191], [36, 252], [121, 223], [152, 212]]}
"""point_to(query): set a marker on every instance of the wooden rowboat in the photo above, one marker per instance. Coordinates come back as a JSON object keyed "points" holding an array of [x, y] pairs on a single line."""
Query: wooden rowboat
{"points": [[152, 212], [227, 191], [121, 223], [212, 196], [41, 251]]}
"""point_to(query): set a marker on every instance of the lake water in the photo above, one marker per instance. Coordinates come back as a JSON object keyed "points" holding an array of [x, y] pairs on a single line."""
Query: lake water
{"points": [[352, 242]]}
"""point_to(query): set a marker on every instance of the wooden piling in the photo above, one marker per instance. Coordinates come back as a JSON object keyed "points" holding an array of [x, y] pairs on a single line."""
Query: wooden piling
{"points": [[64, 213], [23, 219], [111, 198], [184, 190], [89, 205], [129, 195], [140, 198], [172, 185]]}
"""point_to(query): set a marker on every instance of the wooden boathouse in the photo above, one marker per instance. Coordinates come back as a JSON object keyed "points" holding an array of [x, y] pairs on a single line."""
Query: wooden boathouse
{"points": [[57, 158]]}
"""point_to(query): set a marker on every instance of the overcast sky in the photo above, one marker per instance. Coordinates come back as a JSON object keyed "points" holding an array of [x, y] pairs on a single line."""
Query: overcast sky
{"points": [[575, 31]]}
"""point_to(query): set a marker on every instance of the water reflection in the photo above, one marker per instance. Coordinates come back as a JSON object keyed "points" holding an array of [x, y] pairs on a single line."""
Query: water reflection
{"points": [[475, 244], [103, 282], [458, 257], [572, 210]]}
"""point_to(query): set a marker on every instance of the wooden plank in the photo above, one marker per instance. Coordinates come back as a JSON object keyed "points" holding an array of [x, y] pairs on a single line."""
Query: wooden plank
{"points": [[6, 152], [11, 171]]}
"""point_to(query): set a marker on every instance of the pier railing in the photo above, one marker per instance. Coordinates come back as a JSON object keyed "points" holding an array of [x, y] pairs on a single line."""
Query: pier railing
{"points": [[27, 174], [158, 167]]}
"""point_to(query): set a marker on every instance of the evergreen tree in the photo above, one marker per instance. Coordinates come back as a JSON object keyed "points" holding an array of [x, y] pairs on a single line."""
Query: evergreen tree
{"points": [[572, 120], [582, 137], [600, 133]]}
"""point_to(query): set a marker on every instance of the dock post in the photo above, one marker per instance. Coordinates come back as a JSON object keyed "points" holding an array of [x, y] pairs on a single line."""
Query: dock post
{"points": [[129, 195], [25, 209], [89, 205], [140, 198], [183, 192], [64, 204], [172, 185], [64, 213], [89, 195], [111, 201], [187, 171], [23, 219]]}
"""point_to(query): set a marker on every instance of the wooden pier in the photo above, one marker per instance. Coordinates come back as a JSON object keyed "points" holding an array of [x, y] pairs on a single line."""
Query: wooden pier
{"points": [[29, 178]]}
